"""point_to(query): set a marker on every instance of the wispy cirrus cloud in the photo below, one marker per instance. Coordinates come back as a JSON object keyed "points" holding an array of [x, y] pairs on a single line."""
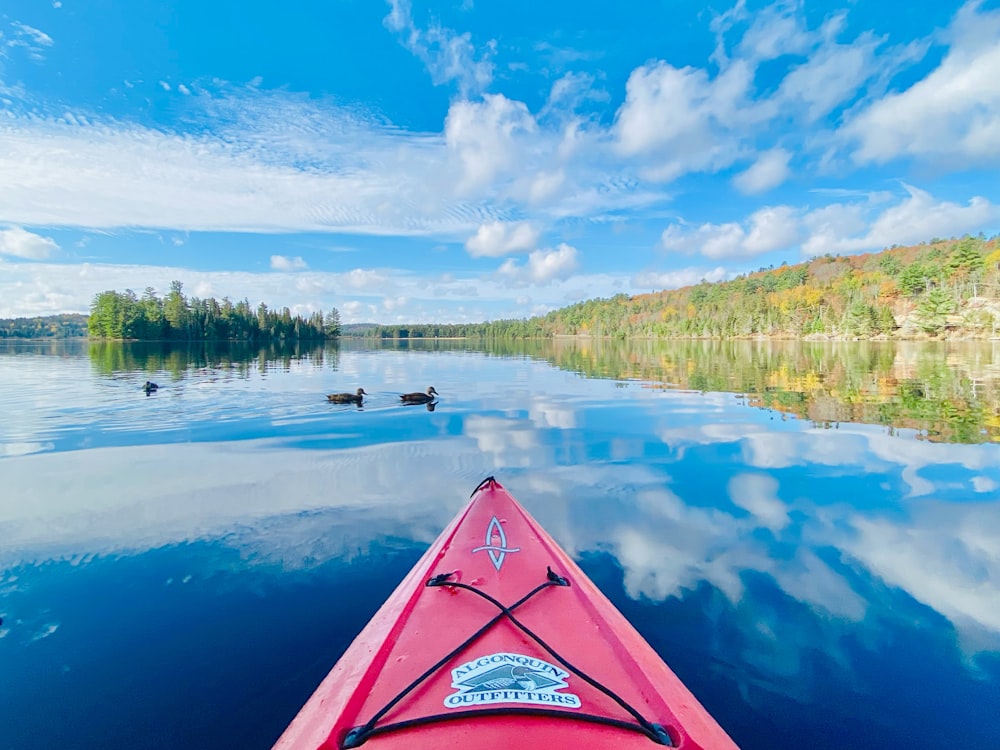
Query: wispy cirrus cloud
{"points": [[448, 55], [33, 41]]}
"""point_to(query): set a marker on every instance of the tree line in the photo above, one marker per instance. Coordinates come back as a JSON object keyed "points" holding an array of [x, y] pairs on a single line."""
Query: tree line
{"points": [[124, 315]]}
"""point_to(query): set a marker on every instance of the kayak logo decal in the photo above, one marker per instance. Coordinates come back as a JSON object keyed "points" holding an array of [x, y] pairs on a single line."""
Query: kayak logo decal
{"points": [[509, 678], [496, 543]]}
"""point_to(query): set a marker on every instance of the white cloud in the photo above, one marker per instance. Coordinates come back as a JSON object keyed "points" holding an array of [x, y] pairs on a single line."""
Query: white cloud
{"points": [[832, 75], [770, 228], [838, 228], [543, 267], [945, 557], [20, 243], [501, 238], [546, 185], [361, 279], [573, 90], [776, 31], [983, 484], [285, 263], [679, 278], [917, 218], [757, 494], [32, 40], [953, 113], [183, 89], [164, 85], [769, 171], [394, 304], [485, 137], [86, 172], [681, 120], [448, 56]]}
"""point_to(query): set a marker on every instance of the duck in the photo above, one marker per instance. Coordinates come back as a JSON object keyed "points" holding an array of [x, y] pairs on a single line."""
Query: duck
{"points": [[419, 398], [150, 387], [347, 398]]}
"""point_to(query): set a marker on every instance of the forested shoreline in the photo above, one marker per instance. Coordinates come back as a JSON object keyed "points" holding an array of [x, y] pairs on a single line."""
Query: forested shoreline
{"points": [[938, 289], [943, 288]]}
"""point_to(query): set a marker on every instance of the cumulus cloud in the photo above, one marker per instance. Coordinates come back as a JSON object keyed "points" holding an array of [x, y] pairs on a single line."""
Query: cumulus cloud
{"points": [[678, 118], [362, 279], [543, 266], [838, 228], [20, 243], [501, 238], [285, 263], [484, 135], [769, 171], [953, 113], [770, 228], [679, 278]]}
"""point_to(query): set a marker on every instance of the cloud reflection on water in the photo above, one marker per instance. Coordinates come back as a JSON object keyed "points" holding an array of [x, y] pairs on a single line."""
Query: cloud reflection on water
{"points": [[673, 522]]}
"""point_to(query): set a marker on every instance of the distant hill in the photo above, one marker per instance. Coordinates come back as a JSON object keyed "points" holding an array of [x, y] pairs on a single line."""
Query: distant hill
{"points": [[358, 329], [67, 326], [942, 288]]}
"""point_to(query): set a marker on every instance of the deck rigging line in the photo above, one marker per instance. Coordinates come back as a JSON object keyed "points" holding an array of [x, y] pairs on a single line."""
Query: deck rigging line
{"points": [[359, 735]]}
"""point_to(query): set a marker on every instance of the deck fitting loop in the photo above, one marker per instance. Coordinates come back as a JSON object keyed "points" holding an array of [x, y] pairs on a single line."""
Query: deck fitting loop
{"points": [[555, 577], [439, 579]]}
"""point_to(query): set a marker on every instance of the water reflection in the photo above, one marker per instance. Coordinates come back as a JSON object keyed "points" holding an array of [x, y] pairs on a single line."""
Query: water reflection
{"points": [[809, 584], [212, 358]]}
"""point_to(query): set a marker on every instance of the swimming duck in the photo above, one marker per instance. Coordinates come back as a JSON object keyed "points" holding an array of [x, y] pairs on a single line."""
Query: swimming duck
{"points": [[347, 398], [419, 398], [150, 387]]}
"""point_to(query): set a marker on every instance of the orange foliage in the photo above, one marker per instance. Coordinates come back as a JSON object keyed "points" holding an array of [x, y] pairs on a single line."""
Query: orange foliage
{"points": [[795, 298], [888, 289]]}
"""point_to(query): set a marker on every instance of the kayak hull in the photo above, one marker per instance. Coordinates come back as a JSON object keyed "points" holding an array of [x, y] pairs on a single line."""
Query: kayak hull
{"points": [[511, 645]]}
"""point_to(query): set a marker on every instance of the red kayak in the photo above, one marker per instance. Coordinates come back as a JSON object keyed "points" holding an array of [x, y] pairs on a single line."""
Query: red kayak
{"points": [[497, 640]]}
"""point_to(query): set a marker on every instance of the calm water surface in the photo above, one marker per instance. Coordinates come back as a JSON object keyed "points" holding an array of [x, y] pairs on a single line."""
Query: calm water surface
{"points": [[809, 535]]}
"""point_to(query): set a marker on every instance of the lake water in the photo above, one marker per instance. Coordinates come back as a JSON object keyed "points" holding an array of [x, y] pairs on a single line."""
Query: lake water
{"points": [[809, 534]]}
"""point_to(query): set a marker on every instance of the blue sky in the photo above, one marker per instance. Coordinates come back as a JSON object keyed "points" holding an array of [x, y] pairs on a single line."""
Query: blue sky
{"points": [[408, 161]]}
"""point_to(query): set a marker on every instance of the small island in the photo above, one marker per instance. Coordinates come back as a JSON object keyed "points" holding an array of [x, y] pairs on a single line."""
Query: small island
{"points": [[123, 316]]}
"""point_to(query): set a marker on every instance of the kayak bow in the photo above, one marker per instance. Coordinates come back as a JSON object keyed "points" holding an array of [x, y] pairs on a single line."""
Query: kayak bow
{"points": [[496, 639]]}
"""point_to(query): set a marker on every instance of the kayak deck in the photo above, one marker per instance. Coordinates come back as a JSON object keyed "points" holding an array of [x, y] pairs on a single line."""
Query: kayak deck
{"points": [[498, 639]]}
